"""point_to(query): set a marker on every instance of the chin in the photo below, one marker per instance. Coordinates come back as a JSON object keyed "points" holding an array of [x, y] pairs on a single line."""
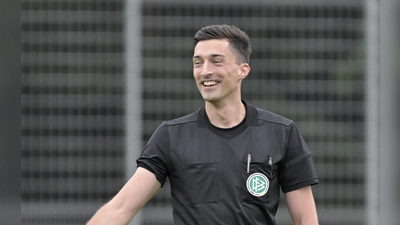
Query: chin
{"points": [[208, 99]]}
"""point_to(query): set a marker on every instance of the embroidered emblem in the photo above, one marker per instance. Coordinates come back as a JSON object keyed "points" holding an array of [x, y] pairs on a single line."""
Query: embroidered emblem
{"points": [[257, 184]]}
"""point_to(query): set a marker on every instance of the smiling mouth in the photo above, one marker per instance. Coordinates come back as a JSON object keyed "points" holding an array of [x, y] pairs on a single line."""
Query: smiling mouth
{"points": [[210, 83]]}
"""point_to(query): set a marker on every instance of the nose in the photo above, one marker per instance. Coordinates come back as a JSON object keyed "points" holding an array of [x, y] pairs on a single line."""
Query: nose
{"points": [[206, 69]]}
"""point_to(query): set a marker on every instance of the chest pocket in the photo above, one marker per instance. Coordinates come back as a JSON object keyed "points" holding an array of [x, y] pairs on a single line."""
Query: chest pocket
{"points": [[201, 183], [258, 185]]}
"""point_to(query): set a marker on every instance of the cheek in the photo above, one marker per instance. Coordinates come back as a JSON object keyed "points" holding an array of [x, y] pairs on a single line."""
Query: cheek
{"points": [[196, 77], [197, 72]]}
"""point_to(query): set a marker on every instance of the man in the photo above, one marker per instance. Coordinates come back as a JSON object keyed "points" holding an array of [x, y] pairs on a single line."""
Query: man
{"points": [[227, 161]]}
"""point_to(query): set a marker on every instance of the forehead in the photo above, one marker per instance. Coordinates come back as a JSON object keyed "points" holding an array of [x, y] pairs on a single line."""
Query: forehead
{"points": [[211, 47]]}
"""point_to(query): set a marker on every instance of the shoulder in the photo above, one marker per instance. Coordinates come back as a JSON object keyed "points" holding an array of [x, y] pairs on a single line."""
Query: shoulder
{"points": [[265, 116], [189, 118]]}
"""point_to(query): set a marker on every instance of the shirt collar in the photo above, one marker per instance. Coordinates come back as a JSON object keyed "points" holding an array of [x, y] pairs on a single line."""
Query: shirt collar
{"points": [[251, 116]]}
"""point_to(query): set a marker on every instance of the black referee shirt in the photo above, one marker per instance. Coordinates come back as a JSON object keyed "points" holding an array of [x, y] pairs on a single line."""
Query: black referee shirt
{"points": [[228, 176]]}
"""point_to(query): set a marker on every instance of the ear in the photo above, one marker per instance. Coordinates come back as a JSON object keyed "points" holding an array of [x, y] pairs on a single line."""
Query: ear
{"points": [[244, 70]]}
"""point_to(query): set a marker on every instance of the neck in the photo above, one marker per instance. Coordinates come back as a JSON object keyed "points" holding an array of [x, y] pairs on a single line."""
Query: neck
{"points": [[226, 115]]}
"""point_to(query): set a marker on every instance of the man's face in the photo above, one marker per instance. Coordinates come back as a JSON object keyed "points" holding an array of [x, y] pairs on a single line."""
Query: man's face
{"points": [[217, 75]]}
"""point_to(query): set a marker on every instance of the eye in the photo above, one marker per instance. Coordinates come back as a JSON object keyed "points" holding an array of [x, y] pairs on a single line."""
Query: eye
{"points": [[218, 62], [196, 63]]}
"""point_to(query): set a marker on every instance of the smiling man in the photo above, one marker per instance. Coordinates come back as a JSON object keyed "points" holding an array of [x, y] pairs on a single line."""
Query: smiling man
{"points": [[219, 71], [227, 161]]}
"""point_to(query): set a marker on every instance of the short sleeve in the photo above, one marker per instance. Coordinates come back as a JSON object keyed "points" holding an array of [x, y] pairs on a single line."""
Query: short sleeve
{"points": [[297, 169], [155, 154]]}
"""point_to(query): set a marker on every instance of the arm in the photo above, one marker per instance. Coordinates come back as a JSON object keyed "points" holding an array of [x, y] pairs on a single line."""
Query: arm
{"points": [[302, 206], [140, 188]]}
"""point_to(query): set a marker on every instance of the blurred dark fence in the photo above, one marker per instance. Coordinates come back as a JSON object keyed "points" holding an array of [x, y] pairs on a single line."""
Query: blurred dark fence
{"points": [[72, 108]]}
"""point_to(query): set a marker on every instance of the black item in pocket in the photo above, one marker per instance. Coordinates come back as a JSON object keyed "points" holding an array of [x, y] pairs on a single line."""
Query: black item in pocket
{"points": [[200, 183]]}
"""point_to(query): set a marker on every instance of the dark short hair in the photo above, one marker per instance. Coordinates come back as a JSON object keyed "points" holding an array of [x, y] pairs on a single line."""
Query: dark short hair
{"points": [[236, 37]]}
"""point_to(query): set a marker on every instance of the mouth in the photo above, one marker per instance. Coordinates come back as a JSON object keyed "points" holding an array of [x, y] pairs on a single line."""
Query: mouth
{"points": [[210, 83]]}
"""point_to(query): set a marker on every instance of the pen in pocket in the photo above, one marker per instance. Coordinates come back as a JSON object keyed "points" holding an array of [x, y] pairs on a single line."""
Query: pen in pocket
{"points": [[270, 163], [248, 162]]}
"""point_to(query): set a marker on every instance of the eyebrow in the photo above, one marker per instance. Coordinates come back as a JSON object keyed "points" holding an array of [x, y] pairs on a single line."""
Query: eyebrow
{"points": [[212, 56]]}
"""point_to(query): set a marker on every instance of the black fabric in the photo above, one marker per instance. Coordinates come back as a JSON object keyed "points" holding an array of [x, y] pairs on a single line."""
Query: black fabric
{"points": [[207, 166], [227, 133]]}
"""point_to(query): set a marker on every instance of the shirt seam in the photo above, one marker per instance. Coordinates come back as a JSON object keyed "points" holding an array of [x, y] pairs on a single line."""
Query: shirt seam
{"points": [[279, 123]]}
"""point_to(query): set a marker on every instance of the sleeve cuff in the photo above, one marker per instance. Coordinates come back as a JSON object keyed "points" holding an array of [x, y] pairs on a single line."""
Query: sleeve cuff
{"points": [[158, 177], [293, 187]]}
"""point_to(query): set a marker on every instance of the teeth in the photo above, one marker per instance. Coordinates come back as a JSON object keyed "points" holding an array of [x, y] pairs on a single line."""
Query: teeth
{"points": [[210, 83]]}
